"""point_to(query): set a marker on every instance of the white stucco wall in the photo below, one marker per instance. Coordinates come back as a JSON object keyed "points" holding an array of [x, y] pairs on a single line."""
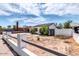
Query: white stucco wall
{"points": [[66, 32], [38, 30]]}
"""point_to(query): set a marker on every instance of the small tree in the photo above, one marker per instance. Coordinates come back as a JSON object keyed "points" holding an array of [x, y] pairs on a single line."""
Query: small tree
{"points": [[67, 24], [14, 27], [9, 26], [1, 28], [60, 26], [44, 30], [33, 30]]}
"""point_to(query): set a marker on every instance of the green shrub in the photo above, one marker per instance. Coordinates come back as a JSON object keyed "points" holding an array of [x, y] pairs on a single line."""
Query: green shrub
{"points": [[33, 30], [44, 30], [1, 28]]}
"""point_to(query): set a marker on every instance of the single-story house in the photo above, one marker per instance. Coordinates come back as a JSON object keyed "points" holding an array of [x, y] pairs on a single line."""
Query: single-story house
{"points": [[52, 27]]}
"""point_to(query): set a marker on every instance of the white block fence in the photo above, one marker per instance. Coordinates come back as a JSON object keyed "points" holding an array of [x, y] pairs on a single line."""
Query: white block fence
{"points": [[17, 47], [65, 32], [68, 32]]}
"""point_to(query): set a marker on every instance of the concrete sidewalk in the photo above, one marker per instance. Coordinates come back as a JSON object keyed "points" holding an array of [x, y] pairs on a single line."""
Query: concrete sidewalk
{"points": [[4, 49]]}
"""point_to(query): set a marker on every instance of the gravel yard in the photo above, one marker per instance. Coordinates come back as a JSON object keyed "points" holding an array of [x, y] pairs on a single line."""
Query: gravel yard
{"points": [[62, 45]]}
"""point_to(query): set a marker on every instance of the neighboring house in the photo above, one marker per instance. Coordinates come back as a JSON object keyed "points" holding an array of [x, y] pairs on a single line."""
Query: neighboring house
{"points": [[74, 25], [27, 28], [52, 27]]}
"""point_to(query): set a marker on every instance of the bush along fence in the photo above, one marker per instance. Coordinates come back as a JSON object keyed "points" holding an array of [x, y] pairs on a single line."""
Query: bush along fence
{"points": [[18, 47]]}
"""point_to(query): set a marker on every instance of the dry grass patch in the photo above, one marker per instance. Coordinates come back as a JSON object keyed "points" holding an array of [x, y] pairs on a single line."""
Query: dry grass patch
{"points": [[62, 37]]}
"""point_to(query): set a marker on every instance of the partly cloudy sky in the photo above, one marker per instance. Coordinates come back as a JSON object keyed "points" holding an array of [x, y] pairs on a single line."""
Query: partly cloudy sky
{"points": [[37, 13]]}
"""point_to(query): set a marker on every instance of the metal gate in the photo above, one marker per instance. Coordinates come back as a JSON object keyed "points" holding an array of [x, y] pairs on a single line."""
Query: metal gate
{"points": [[51, 32]]}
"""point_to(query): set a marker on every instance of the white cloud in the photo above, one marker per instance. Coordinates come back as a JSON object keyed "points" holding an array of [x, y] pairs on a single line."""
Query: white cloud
{"points": [[62, 9], [31, 8], [16, 19], [33, 21], [72, 9], [38, 20], [11, 8], [4, 7], [23, 8], [4, 13]]}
